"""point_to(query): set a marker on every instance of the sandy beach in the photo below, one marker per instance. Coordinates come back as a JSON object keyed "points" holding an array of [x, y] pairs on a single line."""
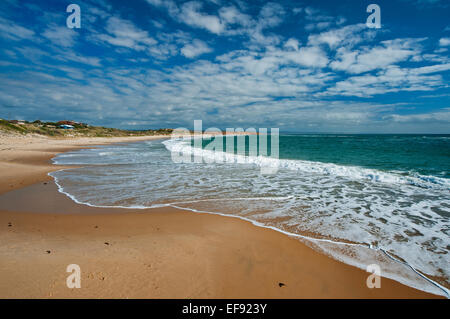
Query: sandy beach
{"points": [[151, 253]]}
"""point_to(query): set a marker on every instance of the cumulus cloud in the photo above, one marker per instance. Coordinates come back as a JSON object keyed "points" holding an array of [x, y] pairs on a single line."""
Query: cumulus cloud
{"points": [[190, 14], [444, 42], [124, 33], [196, 48], [292, 43], [372, 58], [313, 57]]}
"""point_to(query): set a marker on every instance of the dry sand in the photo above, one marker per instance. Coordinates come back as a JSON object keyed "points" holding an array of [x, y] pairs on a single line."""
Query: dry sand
{"points": [[152, 253]]}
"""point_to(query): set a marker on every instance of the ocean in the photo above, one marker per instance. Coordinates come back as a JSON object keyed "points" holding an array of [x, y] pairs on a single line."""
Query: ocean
{"points": [[361, 199]]}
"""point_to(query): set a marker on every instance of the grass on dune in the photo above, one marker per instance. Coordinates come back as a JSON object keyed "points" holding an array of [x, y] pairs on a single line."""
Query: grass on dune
{"points": [[80, 130]]}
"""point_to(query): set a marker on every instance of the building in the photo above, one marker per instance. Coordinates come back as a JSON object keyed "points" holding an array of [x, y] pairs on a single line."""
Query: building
{"points": [[66, 123], [66, 127]]}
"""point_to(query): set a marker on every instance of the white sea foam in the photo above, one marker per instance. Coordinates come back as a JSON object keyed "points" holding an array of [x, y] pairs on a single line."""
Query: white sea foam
{"points": [[184, 146]]}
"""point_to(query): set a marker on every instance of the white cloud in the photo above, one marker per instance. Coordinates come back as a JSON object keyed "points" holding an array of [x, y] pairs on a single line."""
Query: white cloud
{"points": [[318, 26], [296, 11], [431, 69], [191, 15], [292, 43], [229, 21], [13, 31], [126, 34], [391, 79], [347, 35], [271, 15], [444, 42], [157, 3], [312, 57], [372, 58], [196, 48], [231, 15], [61, 35], [438, 116], [70, 55]]}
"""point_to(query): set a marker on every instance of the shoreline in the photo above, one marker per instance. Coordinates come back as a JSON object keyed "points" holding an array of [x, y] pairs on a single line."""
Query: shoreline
{"points": [[305, 239], [30, 157], [255, 264]]}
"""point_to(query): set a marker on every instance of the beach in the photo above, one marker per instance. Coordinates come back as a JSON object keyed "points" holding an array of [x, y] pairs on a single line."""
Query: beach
{"points": [[149, 253]]}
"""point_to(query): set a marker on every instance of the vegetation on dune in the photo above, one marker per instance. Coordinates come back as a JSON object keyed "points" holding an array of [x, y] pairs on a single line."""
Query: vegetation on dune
{"points": [[78, 130]]}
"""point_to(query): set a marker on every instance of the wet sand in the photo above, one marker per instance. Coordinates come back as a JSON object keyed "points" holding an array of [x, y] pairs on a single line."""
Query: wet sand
{"points": [[151, 253]]}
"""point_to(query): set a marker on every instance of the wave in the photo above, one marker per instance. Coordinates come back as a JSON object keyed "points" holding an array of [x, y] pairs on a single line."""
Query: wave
{"points": [[184, 146]]}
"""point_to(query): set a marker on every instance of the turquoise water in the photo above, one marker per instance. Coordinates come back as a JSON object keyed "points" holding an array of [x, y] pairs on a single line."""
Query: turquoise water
{"points": [[422, 154], [389, 195]]}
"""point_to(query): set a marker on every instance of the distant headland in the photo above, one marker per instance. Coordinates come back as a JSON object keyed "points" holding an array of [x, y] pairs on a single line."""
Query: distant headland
{"points": [[67, 128]]}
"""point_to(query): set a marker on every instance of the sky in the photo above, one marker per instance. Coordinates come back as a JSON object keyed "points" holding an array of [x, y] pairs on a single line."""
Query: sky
{"points": [[300, 66]]}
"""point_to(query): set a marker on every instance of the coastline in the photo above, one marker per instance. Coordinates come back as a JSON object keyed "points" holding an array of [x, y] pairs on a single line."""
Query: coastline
{"points": [[151, 253]]}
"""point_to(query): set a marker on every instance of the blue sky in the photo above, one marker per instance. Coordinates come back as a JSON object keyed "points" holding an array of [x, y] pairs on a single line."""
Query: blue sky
{"points": [[305, 66]]}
